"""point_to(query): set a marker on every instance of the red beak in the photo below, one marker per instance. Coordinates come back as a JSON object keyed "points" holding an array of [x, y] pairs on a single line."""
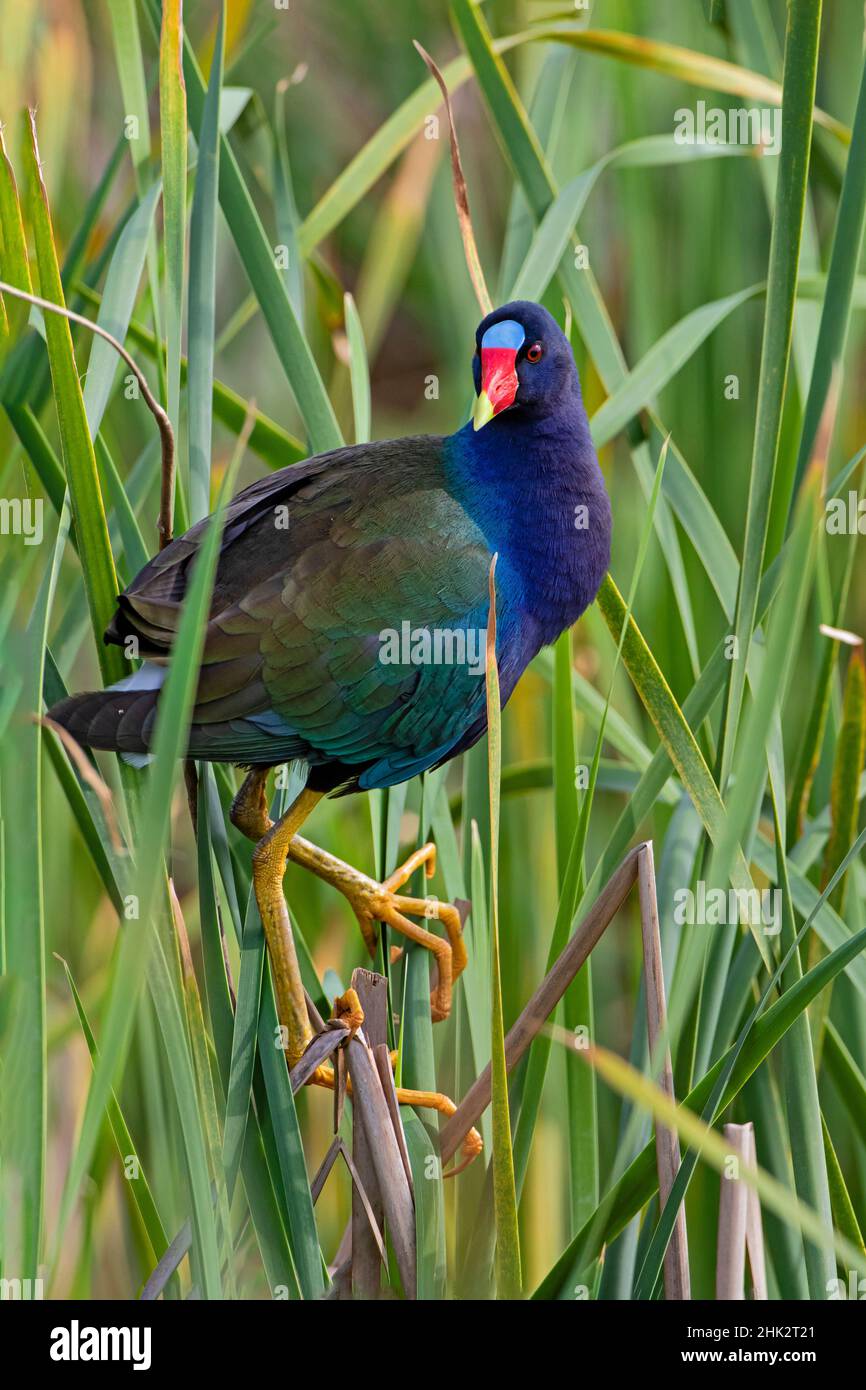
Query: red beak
{"points": [[498, 382]]}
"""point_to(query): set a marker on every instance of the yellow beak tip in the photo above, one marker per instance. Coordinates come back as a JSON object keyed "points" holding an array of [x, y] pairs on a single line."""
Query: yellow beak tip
{"points": [[483, 411]]}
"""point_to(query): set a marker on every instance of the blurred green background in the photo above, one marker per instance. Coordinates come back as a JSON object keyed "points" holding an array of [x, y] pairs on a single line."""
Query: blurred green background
{"points": [[317, 81]]}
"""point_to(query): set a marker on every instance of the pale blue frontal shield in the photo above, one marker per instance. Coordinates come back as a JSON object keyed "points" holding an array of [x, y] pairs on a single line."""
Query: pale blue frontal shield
{"points": [[508, 333]]}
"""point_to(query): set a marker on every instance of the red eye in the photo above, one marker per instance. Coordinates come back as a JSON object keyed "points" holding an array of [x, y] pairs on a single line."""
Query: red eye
{"points": [[534, 353]]}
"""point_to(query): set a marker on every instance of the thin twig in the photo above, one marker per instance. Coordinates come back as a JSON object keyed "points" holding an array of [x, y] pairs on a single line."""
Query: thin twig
{"points": [[87, 772], [358, 1188], [321, 1047], [325, 1167], [461, 196], [166, 433], [368, 1098], [168, 1264], [545, 999], [339, 1149], [171, 1259], [317, 1023], [382, 1058], [676, 1263]]}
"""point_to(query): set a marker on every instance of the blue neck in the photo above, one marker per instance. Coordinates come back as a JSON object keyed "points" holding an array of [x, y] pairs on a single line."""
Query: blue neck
{"points": [[524, 481]]}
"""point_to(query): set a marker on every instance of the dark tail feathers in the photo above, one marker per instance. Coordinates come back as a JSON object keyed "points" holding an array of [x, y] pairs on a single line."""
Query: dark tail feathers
{"points": [[120, 721]]}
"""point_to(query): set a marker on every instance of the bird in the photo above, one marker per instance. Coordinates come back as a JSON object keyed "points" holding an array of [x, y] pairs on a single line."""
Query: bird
{"points": [[348, 622]]}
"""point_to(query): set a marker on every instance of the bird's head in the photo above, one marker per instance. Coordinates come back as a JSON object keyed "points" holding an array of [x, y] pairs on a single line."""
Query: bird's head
{"points": [[523, 362]]}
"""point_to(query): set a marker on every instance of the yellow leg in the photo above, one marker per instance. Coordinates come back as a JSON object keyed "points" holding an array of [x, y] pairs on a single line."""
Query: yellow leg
{"points": [[249, 813], [371, 902]]}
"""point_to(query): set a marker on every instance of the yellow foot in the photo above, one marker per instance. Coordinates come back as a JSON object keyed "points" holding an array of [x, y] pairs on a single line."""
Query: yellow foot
{"points": [[348, 1010], [370, 901], [374, 902]]}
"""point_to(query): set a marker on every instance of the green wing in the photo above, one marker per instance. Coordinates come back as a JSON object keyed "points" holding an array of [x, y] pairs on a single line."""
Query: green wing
{"points": [[320, 563]]}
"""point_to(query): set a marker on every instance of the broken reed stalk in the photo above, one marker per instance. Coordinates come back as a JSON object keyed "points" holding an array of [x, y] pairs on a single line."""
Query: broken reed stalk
{"points": [[755, 1230], [545, 998], [740, 1227], [366, 1262], [461, 195], [375, 1107], [368, 1100], [382, 1058], [382, 1186], [731, 1248], [676, 1262], [166, 433]]}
